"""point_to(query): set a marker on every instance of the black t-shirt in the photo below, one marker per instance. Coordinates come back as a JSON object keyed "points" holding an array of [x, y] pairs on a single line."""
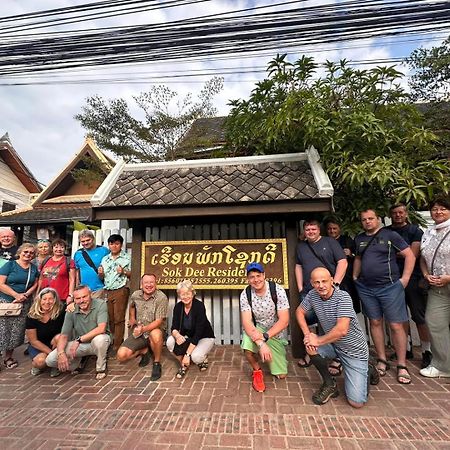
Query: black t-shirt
{"points": [[46, 331], [8, 253], [329, 251], [410, 233]]}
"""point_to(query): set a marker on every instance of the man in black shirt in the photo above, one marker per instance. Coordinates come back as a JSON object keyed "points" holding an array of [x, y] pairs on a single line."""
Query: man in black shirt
{"points": [[416, 296]]}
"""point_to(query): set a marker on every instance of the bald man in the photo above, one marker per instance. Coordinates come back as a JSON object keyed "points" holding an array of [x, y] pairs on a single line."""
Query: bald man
{"points": [[7, 248], [343, 342]]}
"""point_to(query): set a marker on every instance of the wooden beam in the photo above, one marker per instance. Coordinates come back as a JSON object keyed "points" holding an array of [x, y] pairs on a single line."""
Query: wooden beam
{"points": [[136, 251], [292, 240], [300, 206]]}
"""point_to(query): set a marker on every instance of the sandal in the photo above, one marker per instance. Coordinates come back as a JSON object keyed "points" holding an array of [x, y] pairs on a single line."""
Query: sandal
{"points": [[382, 370], [10, 363], [405, 377], [181, 372], [100, 374], [335, 368], [203, 365], [304, 362]]}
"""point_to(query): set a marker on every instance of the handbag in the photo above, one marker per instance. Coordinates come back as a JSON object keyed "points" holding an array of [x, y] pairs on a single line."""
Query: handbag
{"points": [[14, 309], [10, 309]]}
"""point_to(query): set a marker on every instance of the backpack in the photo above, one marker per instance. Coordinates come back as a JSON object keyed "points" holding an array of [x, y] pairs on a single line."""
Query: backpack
{"points": [[273, 294]]}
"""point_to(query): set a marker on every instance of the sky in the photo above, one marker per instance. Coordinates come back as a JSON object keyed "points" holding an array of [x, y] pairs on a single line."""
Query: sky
{"points": [[40, 118]]}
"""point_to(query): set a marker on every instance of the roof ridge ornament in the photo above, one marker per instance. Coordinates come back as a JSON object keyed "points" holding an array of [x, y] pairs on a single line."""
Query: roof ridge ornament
{"points": [[322, 180]]}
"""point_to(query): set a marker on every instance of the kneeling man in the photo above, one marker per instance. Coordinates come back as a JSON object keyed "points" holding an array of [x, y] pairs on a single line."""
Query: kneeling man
{"points": [[148, 318], [265, 317], [343, 339], [89, 323]]}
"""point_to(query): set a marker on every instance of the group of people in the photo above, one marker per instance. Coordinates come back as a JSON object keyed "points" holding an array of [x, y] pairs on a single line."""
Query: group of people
{"points": [[71, 309], [385, 269]]}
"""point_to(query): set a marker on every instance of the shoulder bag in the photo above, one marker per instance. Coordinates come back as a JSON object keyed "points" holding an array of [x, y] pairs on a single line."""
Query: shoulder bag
{"points": [[14, 309]]}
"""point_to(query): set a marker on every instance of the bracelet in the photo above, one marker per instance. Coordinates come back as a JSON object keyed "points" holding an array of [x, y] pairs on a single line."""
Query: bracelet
{"points": [[260, 344], [61, 353], [188, 354]]}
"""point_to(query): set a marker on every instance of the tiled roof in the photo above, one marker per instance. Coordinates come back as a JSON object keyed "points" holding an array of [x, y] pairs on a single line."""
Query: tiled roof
{"points": [[46, 215], [217, 184]]}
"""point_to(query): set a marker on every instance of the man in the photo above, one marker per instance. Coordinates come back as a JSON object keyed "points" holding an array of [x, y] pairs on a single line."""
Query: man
{"points": [[317, 251], [415, 295], [148, 317], [264, 317], [343, 339], [115, 271], [381, 287], [89, 323], [7, 248], [87, 260]]}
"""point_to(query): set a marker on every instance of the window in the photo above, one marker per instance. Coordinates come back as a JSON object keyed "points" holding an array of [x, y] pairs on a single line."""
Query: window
{"points": [[8, 207]]}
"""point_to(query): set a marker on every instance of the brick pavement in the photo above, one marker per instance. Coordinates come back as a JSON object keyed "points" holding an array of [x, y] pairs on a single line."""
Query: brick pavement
{"points": [[216, 409]]}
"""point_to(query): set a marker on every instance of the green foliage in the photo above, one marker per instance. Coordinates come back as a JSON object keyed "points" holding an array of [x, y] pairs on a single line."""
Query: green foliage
{"points": [[166, 117], [431, 72], [430, 83], [371, 138]]}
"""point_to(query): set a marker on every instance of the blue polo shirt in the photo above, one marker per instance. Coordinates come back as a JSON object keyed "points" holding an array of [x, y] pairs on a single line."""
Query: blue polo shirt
{"points": [[379, 262], [88, 276]]}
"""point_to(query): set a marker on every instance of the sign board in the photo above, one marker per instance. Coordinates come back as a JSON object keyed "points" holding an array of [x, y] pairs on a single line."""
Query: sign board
{"points": [[214, 264]]}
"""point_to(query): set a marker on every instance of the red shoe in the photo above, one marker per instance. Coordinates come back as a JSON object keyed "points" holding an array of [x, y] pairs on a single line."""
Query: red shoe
{"points": [[258, 381]]}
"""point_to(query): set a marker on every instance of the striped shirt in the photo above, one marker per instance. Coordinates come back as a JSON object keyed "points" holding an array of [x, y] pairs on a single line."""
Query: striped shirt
{"points": [[329, 311]]}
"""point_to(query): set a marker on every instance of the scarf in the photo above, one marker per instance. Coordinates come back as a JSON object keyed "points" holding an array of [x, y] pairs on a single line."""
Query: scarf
{"points": [[439, 226]]}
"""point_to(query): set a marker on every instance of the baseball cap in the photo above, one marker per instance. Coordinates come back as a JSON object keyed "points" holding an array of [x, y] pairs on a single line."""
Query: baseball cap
{"points": [[254, 266]]}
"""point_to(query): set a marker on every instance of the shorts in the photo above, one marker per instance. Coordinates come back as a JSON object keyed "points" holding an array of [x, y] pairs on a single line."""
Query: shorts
{"points": [[278, 365], [386, 301], [135, 344], [33, 352], [356, 373]]}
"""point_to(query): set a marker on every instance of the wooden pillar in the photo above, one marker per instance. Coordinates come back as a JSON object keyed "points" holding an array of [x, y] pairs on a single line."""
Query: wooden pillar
{"points": [[136, 253], [292, 240]]}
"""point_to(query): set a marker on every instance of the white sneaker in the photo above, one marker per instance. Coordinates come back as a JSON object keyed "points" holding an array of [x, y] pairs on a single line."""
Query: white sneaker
{"points": [[432, 372]]}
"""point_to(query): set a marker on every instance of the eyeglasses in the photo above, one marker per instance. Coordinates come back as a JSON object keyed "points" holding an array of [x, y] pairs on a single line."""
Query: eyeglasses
{"points": [[28, 252], [441, 210]]}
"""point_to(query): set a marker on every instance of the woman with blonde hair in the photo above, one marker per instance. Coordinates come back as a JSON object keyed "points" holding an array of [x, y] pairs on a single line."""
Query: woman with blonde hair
{"points": [[18, 281], [43, 327], [192, 336], [43, 251]]}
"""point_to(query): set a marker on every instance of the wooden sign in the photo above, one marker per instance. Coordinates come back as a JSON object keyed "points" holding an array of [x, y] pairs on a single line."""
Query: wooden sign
{"points": [[214, 264]]}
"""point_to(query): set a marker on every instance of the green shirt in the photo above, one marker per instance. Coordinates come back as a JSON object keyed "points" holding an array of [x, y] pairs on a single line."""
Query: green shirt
{"points": [[78, 323], [111, 278]]}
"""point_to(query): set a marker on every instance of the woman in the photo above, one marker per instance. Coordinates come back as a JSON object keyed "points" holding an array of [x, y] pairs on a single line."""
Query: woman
{"points": [[42, 252], [192, 336], [435, 266], [58, 272], [18, 281], [43, 327]]}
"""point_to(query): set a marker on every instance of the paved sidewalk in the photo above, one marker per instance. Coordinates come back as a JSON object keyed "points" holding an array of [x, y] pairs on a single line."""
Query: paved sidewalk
{"points": [[214, 409]]}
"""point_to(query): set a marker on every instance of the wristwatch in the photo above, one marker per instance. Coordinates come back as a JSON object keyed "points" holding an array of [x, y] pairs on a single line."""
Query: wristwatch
{"points": [[78, 339], [266, 336], [188, 354]]}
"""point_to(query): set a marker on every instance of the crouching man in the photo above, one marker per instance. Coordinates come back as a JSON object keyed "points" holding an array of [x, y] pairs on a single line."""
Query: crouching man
{"points": [[89, 323], [343, 343], [265, 317]]}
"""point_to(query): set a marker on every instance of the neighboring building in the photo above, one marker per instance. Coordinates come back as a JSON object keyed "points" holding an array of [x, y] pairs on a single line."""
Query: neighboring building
{"points": [[17, 182], [65, 200]]}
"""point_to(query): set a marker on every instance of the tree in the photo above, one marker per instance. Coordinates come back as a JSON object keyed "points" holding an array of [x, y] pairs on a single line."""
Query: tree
{"points": [[430, 83], [371, 138], [166, 118]]}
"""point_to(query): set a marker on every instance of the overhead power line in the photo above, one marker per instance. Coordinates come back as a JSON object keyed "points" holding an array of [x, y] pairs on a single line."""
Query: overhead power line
{"points": [[219, 35]]}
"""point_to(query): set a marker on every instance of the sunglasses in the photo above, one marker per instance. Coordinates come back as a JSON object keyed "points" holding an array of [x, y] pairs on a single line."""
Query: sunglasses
{"points": [[28, 252]]}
